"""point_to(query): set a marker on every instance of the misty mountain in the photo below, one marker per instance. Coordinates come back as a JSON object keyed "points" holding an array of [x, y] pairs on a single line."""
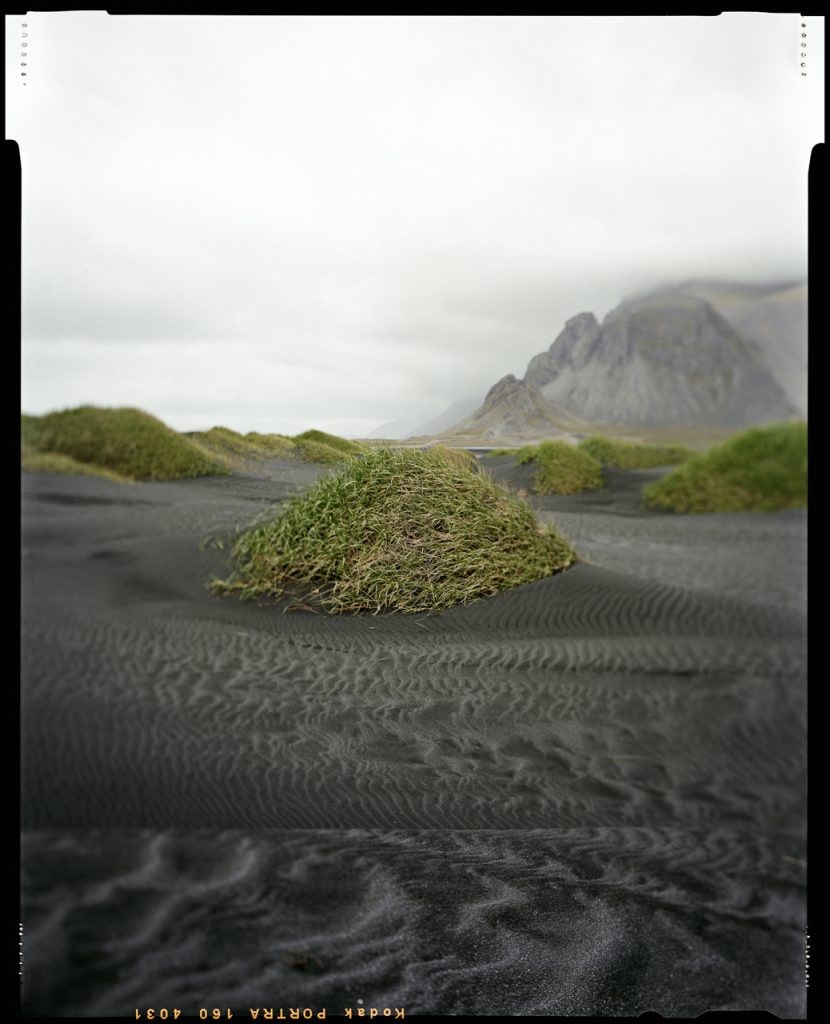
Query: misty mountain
{"points": [[416, 426], [515, 408], [775, 318], [700, 353], [666, 359]]}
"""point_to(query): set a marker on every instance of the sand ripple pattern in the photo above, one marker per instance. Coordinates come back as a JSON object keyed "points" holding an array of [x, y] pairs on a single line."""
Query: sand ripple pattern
{"points": [[217, 726], [576, 922], [583, 796]]}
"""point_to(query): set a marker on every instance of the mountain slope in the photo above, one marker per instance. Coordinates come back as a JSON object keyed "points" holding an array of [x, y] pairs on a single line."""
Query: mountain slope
{"points": [[515, 408], [775, 318], [668, 358], [416, 426]]}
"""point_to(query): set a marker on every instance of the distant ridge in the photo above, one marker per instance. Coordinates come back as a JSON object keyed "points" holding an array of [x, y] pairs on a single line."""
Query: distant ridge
{"points": [[672, 357], [667, 359], [516, 407], [415, 426]]}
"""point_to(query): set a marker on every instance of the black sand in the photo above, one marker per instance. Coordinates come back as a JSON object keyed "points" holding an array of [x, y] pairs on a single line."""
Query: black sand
{"points": [[584, 796]]}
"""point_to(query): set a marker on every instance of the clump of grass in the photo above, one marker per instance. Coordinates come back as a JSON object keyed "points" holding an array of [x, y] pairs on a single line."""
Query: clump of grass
{"points": [[51, 462], [526, 454], [565, 469], [316, 451], [272, 445], [223, 441], [460, 456], [630, 455], [318, 446], [758, 470], [29, 430], [331, 440], [398, 530], [128, 442], [561, 468]]}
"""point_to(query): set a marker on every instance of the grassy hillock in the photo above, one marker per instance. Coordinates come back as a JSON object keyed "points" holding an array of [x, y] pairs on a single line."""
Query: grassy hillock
{"points": [[128, 442], [758, 470], [33, 461], [460, 456], [318, 446], [397, 530], [561, 468], [223, 441], [630, 455]]}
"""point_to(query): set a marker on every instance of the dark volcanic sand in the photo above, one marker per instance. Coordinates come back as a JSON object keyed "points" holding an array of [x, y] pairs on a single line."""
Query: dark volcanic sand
{"points": [[583, 796]]}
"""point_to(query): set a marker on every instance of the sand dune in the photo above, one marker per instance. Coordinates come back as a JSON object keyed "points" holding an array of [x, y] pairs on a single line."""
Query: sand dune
{"points": [[582, 796]]}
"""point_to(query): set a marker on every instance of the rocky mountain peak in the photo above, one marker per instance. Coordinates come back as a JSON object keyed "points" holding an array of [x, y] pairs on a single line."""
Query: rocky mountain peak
{"points": [[504, 390], [573, 347], [702, 354]]}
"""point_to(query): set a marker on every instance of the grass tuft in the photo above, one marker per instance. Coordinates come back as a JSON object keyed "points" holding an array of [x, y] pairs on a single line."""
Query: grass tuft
{"points": [[758, 470], [331, 440], [460, 456], [564, 469], [316, 451], [128, 442], [630, 455], [398, 530], [561, 468], [223, 441], [526, 454], [273, 446], [33, 461]]}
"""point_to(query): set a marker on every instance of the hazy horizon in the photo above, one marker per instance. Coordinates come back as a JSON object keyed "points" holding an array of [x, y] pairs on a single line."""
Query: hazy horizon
{"points": [[287, 222]]}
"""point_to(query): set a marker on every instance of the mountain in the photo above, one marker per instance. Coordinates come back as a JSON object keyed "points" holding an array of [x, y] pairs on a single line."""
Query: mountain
{"points": [[704, 354], [514, 409], [396, 430], [668, 358], [416, 426], [775, 318]]}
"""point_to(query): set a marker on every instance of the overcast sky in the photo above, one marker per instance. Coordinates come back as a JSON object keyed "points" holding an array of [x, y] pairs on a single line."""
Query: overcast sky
{"points": [[283, 222]]}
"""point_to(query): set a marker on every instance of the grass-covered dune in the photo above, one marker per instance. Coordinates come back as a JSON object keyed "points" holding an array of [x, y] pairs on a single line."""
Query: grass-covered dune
{"points": [[128, 442], [310, 446], [318, 446], [630, 455], [460, 456], [223, 441], [33, 461], [758, 470], [397, 530], [561, 468], [332, 440]]}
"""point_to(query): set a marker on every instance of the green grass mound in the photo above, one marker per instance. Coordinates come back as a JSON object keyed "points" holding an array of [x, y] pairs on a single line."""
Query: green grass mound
{"points": [[460, 456], [398, 530], [629, 455], [129, 442], [526, 454], [342, 444], [564, 469], [50, 462], [273, 446], [30, 429], [560, 468], [329, 449], [316, 451], [759, 470], [223, 441]]}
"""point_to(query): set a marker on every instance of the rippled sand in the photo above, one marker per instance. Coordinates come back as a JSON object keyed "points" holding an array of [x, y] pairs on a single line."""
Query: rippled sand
{"points": [[584, 796]]}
